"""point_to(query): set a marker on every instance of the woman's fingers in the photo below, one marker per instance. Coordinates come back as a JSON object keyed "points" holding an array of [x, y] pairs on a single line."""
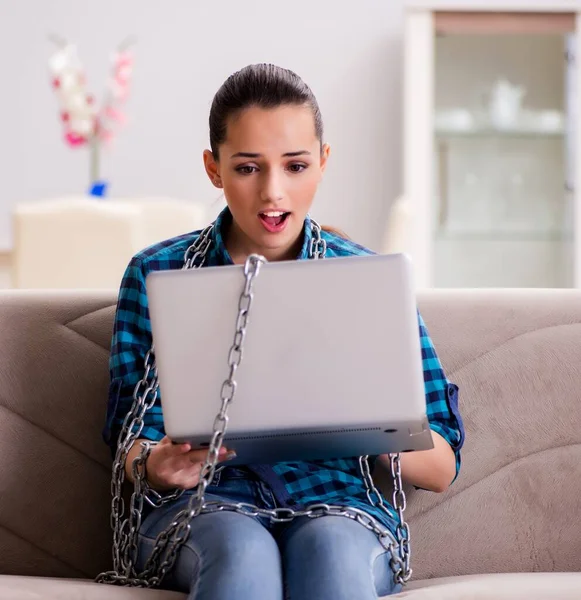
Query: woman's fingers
{"points": [[182, 448], [196, 458], [174, 449], [178, 465], [200, 454]]}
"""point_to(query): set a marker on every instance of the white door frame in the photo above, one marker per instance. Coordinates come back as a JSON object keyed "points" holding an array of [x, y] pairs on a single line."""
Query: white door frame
{"points": [[550, 6], [418, 129]]}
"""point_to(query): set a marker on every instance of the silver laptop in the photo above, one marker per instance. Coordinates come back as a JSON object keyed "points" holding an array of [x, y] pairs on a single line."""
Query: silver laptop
{"points": [[331, 363]]}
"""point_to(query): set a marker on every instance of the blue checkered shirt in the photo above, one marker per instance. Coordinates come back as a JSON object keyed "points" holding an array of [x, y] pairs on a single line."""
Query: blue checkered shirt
{"points": [[294, 484]]}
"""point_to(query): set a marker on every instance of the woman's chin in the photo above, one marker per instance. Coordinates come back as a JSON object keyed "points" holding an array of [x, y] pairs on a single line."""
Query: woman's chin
{"points": [[280, 245]]}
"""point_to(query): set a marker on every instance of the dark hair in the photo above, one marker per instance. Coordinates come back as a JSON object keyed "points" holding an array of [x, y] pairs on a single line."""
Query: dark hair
{"points": [[264, 86], [335, 230]]}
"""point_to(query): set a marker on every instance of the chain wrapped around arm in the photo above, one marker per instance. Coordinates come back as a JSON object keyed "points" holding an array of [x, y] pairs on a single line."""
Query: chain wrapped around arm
{"points": [[125, 530]]}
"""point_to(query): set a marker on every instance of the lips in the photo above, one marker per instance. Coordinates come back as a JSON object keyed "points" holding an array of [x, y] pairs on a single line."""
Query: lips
{"points": [[274, 221]]}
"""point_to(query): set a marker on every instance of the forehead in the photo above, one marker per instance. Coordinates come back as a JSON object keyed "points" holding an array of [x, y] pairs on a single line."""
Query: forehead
{"points": [[284, 127]]}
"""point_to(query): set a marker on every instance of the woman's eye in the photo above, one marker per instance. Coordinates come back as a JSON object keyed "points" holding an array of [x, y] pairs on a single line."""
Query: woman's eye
{"points": [[297, 167], [246, 169]]}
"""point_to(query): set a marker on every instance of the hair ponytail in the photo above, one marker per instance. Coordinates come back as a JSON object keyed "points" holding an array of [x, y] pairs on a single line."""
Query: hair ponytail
{"points": [[338, 232]]}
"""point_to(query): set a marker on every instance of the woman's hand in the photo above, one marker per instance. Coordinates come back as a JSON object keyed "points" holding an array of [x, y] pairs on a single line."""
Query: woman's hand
{"points": [[172, 466]]}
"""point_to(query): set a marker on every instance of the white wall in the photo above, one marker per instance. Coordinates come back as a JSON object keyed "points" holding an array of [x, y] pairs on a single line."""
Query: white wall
{"points": [[349, 53]]}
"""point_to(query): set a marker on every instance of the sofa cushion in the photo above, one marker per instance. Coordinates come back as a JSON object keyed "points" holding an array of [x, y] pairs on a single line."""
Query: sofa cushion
{"points": [[502, 586], [532, 586], [13, 587], [515, 355]]}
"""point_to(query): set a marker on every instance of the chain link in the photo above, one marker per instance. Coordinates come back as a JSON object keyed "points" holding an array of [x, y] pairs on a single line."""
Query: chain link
{"points": [[402, 528], [124, 552], [318, 247], [169, 542], [400, 560], [195, 255]]}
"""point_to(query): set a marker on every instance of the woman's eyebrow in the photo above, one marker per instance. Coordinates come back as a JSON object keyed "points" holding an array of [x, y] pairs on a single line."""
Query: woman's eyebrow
{"points": [[257, 155], [297, 153]]}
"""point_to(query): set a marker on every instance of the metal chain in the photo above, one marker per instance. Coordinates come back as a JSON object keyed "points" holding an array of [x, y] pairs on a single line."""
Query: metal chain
{"points": [[318, 247], [144, 397], [169, 542], [195, 255], [400, 560], [400, 504]]}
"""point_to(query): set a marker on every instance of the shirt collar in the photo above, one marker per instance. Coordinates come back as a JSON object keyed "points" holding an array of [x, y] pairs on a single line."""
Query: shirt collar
{"points": [[221, 223], [224, 220], [307, 239]]}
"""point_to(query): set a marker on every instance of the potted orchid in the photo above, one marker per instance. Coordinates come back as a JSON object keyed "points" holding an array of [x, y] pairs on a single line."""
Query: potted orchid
{"points": [[87, 123]]}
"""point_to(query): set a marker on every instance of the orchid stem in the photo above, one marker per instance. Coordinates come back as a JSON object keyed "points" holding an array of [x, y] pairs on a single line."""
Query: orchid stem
{"points": [[94, 160]]}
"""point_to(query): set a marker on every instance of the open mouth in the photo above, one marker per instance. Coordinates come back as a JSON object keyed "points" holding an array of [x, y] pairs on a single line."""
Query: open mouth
{"points": [[274, 220]]}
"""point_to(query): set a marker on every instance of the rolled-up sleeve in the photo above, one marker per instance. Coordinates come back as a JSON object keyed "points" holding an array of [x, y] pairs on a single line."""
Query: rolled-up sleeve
{"points": [[130, 343], [441, 397]]}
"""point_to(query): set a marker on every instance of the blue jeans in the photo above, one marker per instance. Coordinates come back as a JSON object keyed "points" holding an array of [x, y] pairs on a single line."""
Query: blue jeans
{"points": [[229, 556]]}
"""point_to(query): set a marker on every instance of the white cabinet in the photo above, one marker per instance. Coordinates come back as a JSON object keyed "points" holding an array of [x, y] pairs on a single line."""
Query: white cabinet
{"points": [[490, 163]]}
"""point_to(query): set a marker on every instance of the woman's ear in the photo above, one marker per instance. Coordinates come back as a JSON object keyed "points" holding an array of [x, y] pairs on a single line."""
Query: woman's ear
{"points": [[212, 168], [325, 152]]}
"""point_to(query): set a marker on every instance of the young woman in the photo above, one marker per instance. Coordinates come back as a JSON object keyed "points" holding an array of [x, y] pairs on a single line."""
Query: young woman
{"points": [[268, 156]]}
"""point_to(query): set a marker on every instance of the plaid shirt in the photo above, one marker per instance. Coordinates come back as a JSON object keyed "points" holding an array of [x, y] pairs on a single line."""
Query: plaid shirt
{"points": [[294, 484]]}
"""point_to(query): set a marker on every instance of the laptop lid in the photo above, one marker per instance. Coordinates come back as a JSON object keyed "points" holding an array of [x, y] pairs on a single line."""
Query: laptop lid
{"points": [[332, 352]]}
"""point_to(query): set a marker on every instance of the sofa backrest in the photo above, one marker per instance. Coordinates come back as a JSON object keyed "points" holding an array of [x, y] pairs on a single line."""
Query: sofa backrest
{"points": [[54, 466], [516, 356], [515, 507]]}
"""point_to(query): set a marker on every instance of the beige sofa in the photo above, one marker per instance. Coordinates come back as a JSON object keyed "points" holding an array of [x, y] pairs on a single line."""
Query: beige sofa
{"points": [[515, 510]]}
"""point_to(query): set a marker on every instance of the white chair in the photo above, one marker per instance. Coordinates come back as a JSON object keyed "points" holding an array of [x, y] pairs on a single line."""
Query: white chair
{"points": [[81, 242], [164, 218], [398, 231]]}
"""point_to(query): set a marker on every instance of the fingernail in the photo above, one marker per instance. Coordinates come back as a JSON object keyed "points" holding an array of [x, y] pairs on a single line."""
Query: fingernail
{"points": [[230, 455]]}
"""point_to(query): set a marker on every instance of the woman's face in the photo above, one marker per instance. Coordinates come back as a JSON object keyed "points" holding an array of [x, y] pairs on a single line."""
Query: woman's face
{"points": [[270, 166]]}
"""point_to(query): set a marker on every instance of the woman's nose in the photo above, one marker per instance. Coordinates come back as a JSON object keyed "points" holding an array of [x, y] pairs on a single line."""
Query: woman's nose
{"points": [[272, 188]]}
